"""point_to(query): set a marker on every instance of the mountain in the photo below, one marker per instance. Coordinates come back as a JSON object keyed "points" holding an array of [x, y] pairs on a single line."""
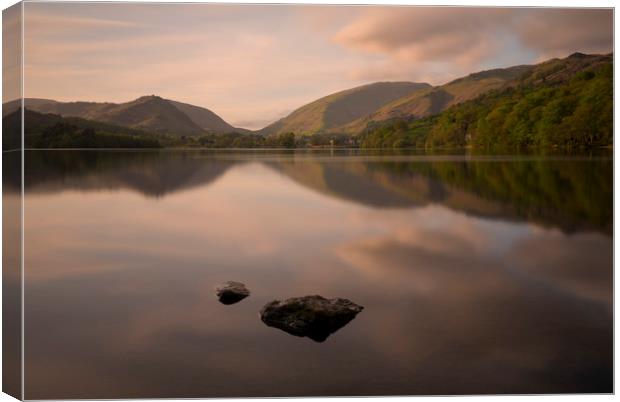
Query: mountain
{"points": [[437, 99], [351, 111], [206, 119], [11, 106], [559, 103], [341, 108], [557, 71], [333, 119], [433, 100], [149, 113]]}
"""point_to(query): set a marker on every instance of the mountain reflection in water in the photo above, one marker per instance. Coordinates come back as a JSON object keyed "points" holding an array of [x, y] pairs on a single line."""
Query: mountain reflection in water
{"points": [[477, 274], [569, 193]]}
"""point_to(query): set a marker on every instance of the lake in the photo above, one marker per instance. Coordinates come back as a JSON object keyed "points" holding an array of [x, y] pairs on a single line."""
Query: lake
{"points": [[477, 274]]}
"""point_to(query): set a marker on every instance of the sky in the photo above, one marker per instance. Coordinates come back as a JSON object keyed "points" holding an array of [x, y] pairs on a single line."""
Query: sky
{"points": [[253, 64]]}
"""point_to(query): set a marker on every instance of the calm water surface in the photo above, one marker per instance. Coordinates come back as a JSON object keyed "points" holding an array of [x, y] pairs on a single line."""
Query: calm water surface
{"points": [[477, 274]]}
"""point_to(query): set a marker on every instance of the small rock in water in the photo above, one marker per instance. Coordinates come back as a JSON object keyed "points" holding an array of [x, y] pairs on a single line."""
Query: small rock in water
{"points": [[231, 292], [313, 316]]}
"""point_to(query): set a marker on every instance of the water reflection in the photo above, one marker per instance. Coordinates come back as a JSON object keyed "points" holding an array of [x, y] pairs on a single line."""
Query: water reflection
{"points": [[569, 193], [469, 284], [11, 273], [153, 174]]}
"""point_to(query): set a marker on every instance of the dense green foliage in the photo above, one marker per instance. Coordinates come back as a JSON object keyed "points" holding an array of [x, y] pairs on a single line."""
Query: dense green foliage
{"points": [[328, 140], [577, 112], [12, 131], [237, 140], [53, 131], [64, 135], [398, 133], [284, 140]]}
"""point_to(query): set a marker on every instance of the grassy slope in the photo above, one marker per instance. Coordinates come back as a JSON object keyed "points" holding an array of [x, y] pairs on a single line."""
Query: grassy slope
{"points": [[434, 100], [340, 108]]}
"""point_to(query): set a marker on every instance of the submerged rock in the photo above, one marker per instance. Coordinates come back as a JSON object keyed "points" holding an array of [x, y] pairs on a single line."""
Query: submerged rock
{"points": [[231, 292], [313, 316]]}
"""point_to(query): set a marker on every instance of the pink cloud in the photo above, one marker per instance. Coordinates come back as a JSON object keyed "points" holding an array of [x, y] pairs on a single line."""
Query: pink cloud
{"points": [[469, 37], [555, 32]]}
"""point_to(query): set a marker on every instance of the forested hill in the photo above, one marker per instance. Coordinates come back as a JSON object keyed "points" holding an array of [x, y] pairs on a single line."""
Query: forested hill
{"points": [[46, 130], [565, 103]]}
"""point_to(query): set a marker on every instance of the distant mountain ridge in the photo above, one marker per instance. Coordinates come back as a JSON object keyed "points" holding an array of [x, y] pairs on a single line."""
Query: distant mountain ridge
{"points": [[148, 113], [347, 112]]}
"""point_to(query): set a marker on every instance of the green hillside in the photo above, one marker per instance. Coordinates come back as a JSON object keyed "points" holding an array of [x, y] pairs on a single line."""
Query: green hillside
{"points": [[336, 110], [567, 102], [433, 100]]}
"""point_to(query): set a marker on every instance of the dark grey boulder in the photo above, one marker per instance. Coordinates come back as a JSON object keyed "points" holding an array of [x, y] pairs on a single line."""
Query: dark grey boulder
{"points": [[313, 316], [231, 292]]}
